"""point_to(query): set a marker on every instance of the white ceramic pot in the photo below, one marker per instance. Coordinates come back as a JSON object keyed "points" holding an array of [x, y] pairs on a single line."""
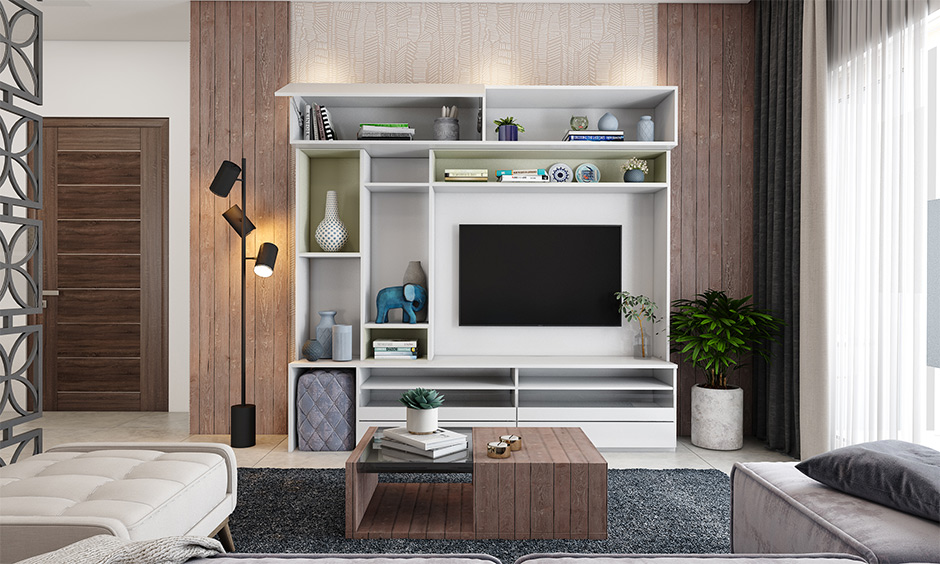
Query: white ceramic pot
{"points": [[717, 418], [421, 421]]}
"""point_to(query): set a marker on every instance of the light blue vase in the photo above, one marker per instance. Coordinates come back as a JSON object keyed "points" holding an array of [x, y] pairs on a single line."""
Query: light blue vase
{"points": [[634, 175], [608, 122]]}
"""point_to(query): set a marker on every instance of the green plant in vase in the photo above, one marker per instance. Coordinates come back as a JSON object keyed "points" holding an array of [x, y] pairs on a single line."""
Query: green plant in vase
{"points": [[508, 129], [637, 308], [718, 334], [422, 407]]}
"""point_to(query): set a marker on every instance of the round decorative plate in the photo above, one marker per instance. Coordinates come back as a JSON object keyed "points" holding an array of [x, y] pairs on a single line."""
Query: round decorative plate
{"points": [[560, 172], [587, 172]]}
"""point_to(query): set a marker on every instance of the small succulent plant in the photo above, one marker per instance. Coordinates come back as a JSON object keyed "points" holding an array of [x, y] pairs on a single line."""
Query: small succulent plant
{"points": [[419, 398], [508, 121]]}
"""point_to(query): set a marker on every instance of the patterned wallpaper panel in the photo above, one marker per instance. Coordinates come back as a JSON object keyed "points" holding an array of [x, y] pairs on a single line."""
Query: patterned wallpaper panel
{"points": [[474, 43]]}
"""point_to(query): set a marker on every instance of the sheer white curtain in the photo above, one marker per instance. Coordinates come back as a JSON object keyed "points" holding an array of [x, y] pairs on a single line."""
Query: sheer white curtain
{"points": [[879, 180]]}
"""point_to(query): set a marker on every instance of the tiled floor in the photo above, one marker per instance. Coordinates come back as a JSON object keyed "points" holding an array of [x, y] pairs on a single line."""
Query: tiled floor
{"points": [[271, 450]]}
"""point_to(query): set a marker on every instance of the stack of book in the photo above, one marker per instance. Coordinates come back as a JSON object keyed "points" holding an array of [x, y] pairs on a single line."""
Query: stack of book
{"points": [[529, 175], [398, 441], [593, 135], [466, 174], [386, 132], [395, 349], [317, 124]]}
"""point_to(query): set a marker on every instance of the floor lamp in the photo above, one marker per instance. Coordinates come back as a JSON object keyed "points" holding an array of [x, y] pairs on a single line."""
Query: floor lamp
{"points": [[243, 414]]}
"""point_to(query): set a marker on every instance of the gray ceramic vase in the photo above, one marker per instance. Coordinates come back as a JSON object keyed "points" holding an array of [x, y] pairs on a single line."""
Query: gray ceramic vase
{"points": [[325, 332]]}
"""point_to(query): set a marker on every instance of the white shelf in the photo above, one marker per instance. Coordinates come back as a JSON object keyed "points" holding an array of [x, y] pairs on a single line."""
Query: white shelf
{"points": [[387, 95], [325, 255], [373, 325], [582, 97], [575, 382], [449, 382], [549, 187], [472, 149], [396, 187]]}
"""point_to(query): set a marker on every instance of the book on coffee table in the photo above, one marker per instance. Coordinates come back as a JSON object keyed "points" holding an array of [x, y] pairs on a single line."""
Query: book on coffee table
{"points": [[388, 444], [438, 439]]}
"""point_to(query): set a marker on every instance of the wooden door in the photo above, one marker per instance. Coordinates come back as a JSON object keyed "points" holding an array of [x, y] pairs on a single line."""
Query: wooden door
{"points": [[105, 255]]}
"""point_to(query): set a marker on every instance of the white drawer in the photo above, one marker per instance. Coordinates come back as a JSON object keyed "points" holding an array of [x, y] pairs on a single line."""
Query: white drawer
{"points": [[608, 414], [632, 435]]}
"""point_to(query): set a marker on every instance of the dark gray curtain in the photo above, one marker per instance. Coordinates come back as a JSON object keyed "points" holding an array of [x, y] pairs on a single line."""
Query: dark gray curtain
{"points": [[777, 216]]}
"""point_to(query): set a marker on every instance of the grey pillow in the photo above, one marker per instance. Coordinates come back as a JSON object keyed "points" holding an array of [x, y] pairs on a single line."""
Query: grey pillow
{"points": [[896, 474]]}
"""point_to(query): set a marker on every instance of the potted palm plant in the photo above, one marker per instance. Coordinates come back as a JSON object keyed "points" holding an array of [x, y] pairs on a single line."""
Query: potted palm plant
{"points": [[637, 308], [717, 334], [422, 407]]}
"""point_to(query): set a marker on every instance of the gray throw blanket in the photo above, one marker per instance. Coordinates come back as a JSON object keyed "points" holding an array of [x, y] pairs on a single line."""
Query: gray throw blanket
{"points": [[106, 549]]}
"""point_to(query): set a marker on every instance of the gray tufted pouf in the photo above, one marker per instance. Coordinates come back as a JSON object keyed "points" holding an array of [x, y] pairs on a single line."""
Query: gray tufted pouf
{"points": [[326, 417]]}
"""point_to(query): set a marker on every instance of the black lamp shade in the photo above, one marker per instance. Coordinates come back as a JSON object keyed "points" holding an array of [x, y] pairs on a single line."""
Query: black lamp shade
{"points": [[225, 179], [264, 262], [234, 217]]}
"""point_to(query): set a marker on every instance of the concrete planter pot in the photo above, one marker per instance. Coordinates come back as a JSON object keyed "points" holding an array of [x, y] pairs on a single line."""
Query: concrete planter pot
{"points": [[717, 418], [421, 421]]}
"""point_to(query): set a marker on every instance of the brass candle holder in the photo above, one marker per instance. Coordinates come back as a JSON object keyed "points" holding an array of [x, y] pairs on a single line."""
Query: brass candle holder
{"points": [[497, 449], [514, 441]]}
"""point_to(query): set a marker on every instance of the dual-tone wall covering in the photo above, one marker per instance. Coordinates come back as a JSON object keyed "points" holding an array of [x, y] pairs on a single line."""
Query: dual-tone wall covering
{"points": [[707, 50], [239, 58], [468, 43], [701, 48]]}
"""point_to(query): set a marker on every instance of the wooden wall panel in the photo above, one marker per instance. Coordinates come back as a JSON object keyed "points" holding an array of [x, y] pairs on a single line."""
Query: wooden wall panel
{"points": [[239, 58], [707, 50]]}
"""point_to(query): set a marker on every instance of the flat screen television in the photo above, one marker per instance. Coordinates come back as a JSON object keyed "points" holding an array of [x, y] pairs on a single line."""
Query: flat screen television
{"points": [[539, 275]]}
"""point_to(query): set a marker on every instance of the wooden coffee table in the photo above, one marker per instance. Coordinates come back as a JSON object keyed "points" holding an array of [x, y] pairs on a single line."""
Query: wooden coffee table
{"points": [[555, 487]]}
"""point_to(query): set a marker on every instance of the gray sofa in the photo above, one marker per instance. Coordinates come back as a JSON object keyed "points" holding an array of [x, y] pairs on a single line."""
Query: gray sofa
{"points": [[778, 509], [530, 559]]}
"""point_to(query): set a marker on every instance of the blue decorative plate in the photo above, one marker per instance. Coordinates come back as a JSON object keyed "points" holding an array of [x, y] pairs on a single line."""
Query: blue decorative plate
{"points": [[560, 172], [587, 172]]}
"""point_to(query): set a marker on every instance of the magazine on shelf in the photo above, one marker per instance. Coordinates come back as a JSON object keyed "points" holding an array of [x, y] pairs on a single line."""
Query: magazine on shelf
{"points": [[378, 343], [438, 439]]}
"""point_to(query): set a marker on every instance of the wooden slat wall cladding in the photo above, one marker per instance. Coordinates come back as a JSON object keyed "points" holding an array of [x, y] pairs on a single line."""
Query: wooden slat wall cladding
{"points": [[239, 55], [708, 51]]}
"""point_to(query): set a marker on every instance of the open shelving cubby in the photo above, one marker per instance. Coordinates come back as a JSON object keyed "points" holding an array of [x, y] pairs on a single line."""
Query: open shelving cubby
{"points": [[397, 207]]}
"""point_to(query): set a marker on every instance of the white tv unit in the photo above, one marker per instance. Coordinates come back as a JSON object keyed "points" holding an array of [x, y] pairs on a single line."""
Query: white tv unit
{"points": [[397, 208]]}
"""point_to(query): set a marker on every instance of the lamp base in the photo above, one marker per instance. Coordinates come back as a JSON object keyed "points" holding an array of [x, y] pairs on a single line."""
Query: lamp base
{"points": [[243, 425]]}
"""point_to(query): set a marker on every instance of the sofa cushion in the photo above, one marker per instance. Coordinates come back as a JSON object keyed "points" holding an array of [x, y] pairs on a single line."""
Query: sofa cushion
{"points": [[152, 493], [896, 474]]}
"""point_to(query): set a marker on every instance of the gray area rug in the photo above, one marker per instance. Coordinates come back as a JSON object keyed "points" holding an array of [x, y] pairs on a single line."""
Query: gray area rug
{"points": [[650, 511]]}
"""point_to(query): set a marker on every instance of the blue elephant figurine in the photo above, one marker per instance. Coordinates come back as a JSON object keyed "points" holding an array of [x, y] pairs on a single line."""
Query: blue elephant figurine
{"points": [[410, 298]]}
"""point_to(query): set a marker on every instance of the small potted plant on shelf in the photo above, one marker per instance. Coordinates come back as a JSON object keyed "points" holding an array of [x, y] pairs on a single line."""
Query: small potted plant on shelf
{"points": [[635, 170], [422, 407], [717, 334], [637, 308], [508, 129]]}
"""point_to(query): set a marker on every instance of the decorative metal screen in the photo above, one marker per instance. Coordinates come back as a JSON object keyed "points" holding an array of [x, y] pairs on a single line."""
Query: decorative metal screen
{"points": [[20, 234]]}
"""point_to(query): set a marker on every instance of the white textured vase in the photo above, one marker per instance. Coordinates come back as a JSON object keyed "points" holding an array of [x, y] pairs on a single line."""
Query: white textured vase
{"points": [[331, 234], [414, 274], [645, 129], [421, 421], [717, 418]]}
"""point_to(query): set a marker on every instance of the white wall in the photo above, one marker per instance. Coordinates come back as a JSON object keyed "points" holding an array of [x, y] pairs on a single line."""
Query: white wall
{"points": [[137, 79]]}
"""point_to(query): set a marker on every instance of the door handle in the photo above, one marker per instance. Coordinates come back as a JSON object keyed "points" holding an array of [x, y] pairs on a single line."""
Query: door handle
{"points": [[47, 293]]}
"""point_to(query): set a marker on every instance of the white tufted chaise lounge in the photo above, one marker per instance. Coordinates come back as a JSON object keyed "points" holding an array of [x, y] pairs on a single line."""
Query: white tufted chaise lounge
{"points": [[135, 491]]}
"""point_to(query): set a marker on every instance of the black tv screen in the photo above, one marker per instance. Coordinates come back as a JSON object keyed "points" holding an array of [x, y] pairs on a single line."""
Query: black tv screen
{"points": [[539, 275]]}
